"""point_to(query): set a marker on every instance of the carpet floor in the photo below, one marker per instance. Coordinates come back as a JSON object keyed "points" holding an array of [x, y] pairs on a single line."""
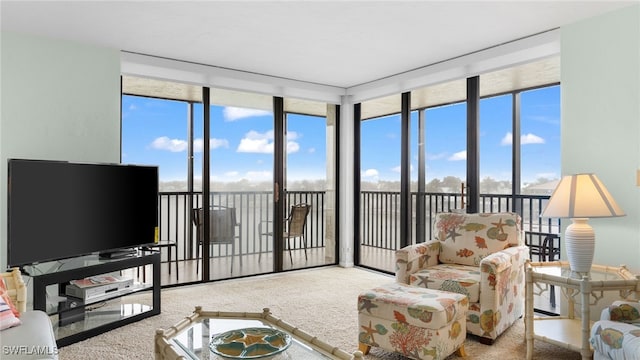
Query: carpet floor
{"points": [[320, 301]]}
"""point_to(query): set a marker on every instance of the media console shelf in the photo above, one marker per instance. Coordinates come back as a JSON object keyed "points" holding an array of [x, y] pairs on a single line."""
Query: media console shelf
{"points": [[72, 319]]}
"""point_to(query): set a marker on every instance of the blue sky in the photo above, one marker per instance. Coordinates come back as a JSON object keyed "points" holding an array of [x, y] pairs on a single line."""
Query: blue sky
{"points": [[155, 132], [446, 140]]}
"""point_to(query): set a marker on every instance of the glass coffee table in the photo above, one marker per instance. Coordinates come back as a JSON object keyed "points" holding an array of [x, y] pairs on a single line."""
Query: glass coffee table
{"points": [[241, 335]]}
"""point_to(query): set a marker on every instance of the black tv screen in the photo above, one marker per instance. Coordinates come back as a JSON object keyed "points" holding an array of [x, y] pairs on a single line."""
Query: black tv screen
{"points": [[58, 209]]}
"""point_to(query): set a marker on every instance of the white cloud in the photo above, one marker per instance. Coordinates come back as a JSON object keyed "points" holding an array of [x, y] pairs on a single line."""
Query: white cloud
{"points": [[460, 155], [179, 145], [231, 113], [173, 145], [311, 150], [531, 139], [255, 142], [507, 139], [524, 139], [292, 147], [262, 143], [370, 173], [198, 144], [232, 174]]}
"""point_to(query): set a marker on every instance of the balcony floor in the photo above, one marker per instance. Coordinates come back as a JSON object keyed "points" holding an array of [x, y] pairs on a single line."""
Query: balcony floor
{"points": [[220, 267]]}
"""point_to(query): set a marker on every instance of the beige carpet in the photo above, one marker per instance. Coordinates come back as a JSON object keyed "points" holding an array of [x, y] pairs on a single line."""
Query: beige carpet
{"points": [[320, 301]]}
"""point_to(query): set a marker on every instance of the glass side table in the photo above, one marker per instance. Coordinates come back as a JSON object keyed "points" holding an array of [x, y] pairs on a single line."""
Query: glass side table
{"points": [[190, 338], [568, 331]]}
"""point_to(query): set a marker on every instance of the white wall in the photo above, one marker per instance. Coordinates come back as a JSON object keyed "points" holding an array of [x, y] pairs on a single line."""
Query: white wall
{"points": [[59, 101], [600, 129]]}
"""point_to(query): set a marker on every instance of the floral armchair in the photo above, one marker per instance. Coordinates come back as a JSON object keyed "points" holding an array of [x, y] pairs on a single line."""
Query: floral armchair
{"points": [[479, 255], [617, 334]]}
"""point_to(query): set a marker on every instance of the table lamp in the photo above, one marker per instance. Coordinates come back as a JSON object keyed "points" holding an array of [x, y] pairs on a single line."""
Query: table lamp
{"points": [[579, 197]]}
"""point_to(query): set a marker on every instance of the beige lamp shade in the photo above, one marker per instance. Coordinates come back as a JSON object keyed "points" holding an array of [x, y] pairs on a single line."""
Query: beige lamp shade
{"points": [[581, 196]]}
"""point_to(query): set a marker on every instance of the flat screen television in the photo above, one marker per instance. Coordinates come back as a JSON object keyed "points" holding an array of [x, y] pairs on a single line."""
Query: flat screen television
{"points": [[59, 210]]}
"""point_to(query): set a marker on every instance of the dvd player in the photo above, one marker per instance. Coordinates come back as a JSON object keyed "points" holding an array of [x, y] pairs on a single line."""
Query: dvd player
{"points": [[99, 291]]}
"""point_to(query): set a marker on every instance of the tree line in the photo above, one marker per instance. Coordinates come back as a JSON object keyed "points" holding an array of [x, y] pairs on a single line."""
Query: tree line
{"points": [[448, 184]]}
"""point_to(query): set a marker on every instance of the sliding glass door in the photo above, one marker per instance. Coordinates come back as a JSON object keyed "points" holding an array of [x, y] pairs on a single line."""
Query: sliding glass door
{"points": [[309, 185], [268, 166], [380, 157], [241, 169], [220, 197]]}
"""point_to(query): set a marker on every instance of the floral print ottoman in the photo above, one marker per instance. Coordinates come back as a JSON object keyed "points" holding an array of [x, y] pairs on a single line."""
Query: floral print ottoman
{"points": [[416, 322]]}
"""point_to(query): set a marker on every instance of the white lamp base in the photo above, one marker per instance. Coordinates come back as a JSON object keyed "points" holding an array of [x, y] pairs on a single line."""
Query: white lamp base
{"points": [[581, 243]]}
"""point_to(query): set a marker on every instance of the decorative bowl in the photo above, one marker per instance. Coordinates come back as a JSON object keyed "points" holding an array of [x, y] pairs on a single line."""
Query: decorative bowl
{"points": [[250, 343]]}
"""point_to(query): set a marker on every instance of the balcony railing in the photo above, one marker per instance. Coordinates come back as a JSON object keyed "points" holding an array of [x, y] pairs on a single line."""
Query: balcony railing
{"points": [[252, 208], [379, 221], [380, 218]]}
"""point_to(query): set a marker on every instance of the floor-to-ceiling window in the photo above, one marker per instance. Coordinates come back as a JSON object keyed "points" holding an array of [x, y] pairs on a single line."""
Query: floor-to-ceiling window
{"points": [[240, 169], [166, 124], [540, 173], [513, 104], [309, 173], [380, 142]]}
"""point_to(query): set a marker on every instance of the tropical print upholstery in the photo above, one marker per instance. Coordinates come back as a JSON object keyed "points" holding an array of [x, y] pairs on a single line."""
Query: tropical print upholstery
{"points": [[468, 238], [418, 323], [616, 335], [461, 279], [478, 255]]}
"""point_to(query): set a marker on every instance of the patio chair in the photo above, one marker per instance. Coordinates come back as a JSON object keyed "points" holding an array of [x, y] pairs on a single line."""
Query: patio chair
{"points": [[295, 225], [222, 229]]}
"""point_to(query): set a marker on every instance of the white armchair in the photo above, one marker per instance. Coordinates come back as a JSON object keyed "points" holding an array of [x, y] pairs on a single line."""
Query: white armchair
{"points": [[479, 255]]}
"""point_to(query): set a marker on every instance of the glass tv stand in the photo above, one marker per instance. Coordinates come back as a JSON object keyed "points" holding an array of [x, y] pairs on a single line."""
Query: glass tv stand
{"points": [[74, 318]]}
